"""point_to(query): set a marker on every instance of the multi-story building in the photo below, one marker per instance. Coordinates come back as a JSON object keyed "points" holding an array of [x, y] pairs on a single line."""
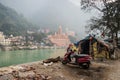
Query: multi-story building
{"points": [[59, 39]]}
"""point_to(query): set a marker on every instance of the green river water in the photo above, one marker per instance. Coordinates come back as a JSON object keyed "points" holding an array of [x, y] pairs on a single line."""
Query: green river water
{"points": [[8, 58]]}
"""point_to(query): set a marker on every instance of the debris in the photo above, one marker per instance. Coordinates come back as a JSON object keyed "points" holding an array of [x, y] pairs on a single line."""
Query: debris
{"points": [[49, 77], [45, 64], [7, 77], [48, 64], [52, 60], [44, 77]]}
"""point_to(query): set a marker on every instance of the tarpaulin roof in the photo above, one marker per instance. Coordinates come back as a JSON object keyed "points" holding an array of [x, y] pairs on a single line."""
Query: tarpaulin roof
{"points": [[87, 38]]}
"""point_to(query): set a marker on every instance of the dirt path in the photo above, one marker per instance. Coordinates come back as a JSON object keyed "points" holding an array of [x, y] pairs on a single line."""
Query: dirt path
{"points": [[114, 73]]}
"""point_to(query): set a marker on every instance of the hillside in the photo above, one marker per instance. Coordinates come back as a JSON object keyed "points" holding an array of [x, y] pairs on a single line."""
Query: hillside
{"points": [[11, 22]]}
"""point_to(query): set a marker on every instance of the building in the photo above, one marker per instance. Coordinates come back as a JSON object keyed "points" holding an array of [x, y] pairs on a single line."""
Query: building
{"points": [[18, 40], [59, 39], [4, 41]]}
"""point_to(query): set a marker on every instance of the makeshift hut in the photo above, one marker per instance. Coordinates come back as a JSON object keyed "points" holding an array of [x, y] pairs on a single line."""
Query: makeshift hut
{"points": [[94, 47]]}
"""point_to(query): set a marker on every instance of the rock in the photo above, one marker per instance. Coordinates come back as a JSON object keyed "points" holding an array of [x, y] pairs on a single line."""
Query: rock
{"points": [[15, 74], [26, 68], [32, 68], [22, 70], [16, 68], [58, 78], [6, 70], [26, 74], [30, 76], [7, 77], [38, 76], [43, 77], [49, 77], [61, 76]]}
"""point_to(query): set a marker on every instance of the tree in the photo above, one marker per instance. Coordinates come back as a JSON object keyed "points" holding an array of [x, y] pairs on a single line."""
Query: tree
{"points": [[110, 20]]}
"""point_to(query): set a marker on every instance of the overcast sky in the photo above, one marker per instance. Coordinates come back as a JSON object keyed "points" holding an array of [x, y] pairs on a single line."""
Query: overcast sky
{"points": [[31, 7], [27, 7]]}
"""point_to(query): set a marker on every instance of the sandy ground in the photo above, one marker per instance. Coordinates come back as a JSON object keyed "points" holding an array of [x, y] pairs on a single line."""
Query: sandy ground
{"points": [[114, 73]]}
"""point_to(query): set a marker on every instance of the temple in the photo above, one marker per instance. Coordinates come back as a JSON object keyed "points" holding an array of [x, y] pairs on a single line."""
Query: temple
{"points": [[59, 39]]}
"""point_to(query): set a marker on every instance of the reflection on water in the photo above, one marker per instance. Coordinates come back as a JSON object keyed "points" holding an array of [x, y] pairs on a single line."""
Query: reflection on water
{"points": [[8, 58]]}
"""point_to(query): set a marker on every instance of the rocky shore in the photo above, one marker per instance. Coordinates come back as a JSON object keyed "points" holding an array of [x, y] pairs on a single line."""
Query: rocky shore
{"points": [[28, 71], [56, 71], [23, 72]]}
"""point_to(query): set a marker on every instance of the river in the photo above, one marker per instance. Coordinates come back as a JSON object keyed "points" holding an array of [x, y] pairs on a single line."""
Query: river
{"points": [[8, 58]]}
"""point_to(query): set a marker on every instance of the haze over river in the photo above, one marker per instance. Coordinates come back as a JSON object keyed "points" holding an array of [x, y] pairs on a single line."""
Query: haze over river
{"points": [[8, 58]]}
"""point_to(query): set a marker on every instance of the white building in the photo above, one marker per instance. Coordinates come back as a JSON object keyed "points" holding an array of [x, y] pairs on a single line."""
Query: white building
{"points": [[4, 41]]}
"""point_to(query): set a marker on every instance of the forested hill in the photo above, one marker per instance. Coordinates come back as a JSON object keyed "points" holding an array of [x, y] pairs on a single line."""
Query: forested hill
{"points": [[12, 23]]}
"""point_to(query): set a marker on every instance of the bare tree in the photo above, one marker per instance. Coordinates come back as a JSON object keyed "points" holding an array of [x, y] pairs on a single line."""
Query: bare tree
{"points": [[110, 20]]}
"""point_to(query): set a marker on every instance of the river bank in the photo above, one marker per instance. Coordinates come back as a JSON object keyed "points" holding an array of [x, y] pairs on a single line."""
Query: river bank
{"points": [[105, 70], [57, 71]]}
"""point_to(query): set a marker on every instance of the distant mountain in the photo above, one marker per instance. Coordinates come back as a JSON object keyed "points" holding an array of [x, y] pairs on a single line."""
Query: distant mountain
{"points": [[12, 23]]}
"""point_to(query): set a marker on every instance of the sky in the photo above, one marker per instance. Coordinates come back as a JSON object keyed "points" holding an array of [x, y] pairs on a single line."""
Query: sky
{"points": [[75, 2], [30, 8]]}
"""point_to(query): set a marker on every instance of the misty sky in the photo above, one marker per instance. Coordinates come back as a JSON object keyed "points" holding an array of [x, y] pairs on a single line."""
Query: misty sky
{"points": [[30, 8]]}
